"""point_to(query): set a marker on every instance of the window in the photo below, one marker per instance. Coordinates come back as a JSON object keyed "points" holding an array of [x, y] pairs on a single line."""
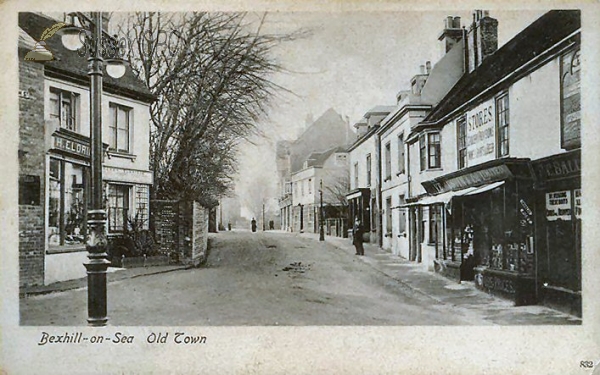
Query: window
{"points": [[422, 155], [388, 214], [66, 203], [356, 175], [388, 161], [435, 223], [309, 186], [430, 152], [401, 154], [503, 122], [142, 207], [64, 107], [461, 126], [369, 170], [118, 207], [434, 150], [401, 214], [119, 127]]}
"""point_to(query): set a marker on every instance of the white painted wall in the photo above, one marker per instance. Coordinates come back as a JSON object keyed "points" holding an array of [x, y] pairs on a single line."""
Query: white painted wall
{"points": [[65, 266]]}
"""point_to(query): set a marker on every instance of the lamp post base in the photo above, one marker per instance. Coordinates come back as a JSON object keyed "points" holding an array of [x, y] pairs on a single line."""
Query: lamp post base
{"points": [[97, 300]]}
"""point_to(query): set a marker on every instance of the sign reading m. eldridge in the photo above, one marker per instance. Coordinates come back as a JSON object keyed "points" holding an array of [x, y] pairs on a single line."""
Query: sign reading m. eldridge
{"points": [[481, 133]]}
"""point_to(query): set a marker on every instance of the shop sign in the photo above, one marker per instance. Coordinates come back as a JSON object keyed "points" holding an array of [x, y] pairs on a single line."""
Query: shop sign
{"points": [[526, 214], [560, 166], [496, 173], [71, 145], [558, 205], [577, 193], [570, 68], [481, 133]]}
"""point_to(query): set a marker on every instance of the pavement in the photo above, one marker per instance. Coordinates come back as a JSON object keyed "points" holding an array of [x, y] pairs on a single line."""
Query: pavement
{"points": [[114, 274], [463, 295]]}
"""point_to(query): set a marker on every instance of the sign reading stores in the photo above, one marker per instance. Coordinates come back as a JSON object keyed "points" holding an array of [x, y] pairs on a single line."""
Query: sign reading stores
{"points": [[481, 133]]}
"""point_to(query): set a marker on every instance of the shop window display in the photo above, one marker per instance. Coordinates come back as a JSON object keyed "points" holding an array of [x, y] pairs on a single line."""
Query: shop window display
{"points": [[66, 203]]}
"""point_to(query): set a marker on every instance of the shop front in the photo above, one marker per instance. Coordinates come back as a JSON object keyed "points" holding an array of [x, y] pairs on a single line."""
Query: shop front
{"points": [[483, 231], [558, 230], [359, 207]]}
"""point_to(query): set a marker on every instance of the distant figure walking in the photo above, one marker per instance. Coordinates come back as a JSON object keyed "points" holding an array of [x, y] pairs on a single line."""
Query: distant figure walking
{"points": [[357, 237], [271, 225], [229, 226], [253, 225]]}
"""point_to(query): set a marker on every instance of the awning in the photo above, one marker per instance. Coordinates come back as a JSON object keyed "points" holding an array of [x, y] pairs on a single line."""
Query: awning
{"points": [[447, 196], [484, 188]]}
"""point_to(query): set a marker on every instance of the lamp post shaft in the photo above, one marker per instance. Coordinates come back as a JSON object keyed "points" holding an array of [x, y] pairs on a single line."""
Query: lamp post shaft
{"points": [[97, 239], [321, 231]]}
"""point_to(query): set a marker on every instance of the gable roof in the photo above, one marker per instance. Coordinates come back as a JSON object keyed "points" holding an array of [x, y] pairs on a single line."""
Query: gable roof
{"points": [[318, 159], [69, 66], [538, 37]]}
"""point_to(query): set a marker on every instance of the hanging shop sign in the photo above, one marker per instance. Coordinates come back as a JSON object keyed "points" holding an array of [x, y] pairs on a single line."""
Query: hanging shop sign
{"points": [[577, 194], [481, 133], [558, 205], [570, 101]]}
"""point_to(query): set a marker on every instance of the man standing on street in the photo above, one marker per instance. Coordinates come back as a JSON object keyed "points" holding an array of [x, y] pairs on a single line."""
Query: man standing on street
{"points": [[253, 222], [357, 237]]}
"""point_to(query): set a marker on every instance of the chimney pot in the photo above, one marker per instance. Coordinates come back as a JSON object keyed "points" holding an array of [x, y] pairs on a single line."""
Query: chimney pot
{"points": [[456, 22]]}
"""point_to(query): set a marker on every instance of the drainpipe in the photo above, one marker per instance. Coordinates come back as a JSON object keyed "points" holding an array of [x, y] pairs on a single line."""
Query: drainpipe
{"points": [[379, 229]]}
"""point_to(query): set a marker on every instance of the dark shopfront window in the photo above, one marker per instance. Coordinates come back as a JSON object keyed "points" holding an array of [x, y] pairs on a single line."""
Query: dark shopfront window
{"points": [[118, 207], [563, 236], [435, 224], [66, 203], [492, 229]]}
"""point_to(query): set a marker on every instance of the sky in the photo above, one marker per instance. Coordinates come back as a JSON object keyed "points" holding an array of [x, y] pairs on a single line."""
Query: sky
{"points": [[351, 62]]}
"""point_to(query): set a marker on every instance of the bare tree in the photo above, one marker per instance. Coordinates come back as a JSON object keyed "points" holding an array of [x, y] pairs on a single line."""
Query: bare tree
{"points": [[335, 190], [210, 73]]}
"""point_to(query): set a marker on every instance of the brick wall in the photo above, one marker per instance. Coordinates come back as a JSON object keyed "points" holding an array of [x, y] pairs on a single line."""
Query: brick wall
{"points": [[31, 163], [181, 229]]}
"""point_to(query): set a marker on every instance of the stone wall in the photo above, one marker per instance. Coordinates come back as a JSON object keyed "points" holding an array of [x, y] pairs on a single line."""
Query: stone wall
{"points": [[31, 172]]}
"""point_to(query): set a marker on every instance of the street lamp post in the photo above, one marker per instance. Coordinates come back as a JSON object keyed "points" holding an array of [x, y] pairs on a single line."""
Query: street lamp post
{"points": [[321, 231], [96, 244]]}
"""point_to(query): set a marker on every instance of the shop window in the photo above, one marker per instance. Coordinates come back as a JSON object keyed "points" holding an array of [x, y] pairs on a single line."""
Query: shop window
{"points": [[119, 127], [66, 203], [435, 224], [401, 167], [368, 169], [430, 150], [388, 161], [502, 113], [64, 108], [461, 125], [118, 207]]}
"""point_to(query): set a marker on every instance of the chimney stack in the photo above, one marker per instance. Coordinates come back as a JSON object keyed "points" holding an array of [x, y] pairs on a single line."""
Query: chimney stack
{"points": [[450, 35], [482, 38]]}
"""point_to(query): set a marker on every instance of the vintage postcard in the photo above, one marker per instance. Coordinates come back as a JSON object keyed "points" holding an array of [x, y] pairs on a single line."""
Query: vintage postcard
{"points": [[257, 187]]}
